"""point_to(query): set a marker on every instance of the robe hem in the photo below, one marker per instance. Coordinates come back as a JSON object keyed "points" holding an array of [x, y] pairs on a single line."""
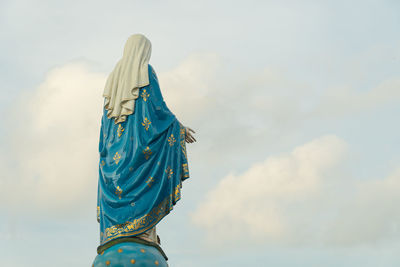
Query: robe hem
{"points": [[171, 205]]}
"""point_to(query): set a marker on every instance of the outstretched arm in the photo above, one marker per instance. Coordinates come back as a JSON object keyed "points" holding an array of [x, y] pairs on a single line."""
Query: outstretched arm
{"points": [[189, 138]]}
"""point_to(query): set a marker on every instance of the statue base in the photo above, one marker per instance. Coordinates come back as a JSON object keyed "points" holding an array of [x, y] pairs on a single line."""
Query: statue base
{"points": [[130, 251]]}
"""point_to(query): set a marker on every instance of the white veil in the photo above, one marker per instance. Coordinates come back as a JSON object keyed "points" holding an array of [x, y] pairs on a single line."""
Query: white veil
{"points": [[130, 73]]}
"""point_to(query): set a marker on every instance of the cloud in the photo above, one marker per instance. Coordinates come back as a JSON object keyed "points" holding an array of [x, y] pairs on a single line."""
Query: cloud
{"points": [[352, 101], [229, 105], [189, 88], [300, 198], [50, 155], [52, 142], [49, 159], [370, 215]]}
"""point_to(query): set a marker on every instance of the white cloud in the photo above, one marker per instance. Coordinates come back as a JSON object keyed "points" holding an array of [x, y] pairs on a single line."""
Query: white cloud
{"points": [[370, 215], [52, 147], [52, 150], [51, 159], [231, 105], [300, 198], [351, 101], [189, 88], [53, 131]]}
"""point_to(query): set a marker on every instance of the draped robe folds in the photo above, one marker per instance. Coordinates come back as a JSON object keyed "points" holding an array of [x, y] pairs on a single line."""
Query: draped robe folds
{"points": [[143, 163]]}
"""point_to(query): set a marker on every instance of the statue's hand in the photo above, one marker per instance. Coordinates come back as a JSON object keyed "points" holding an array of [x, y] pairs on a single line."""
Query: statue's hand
{"points": [[188, 136]]}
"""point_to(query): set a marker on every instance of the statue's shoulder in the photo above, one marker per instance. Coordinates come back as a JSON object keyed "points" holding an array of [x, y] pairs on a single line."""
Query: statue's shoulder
{"points": [[151, 69], [152, 73]]}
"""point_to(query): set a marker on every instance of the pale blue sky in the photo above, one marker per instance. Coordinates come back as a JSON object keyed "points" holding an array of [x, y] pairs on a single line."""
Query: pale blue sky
{"points": [[301, 99]]}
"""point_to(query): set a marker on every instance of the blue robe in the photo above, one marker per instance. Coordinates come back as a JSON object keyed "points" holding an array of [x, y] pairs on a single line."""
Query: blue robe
{"points": [[143, 163]]}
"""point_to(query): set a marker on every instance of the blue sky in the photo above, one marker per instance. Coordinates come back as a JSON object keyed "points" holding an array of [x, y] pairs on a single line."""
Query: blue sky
{"points": [[295, 108]]}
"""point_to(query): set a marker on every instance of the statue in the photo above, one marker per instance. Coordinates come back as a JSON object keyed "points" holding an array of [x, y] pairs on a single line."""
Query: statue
{"points": [[143, 161]]}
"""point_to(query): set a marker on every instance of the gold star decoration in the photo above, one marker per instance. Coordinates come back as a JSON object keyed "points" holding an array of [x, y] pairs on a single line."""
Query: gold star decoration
{"points": [[120, 130], [146, 123], [150, 181], [145, 95], [118, 191], [169, 171], [117, 157], [147, 152], [171, 140]]}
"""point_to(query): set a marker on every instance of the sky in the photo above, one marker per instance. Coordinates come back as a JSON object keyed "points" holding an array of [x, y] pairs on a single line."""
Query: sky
{"points": [[294, 104]]}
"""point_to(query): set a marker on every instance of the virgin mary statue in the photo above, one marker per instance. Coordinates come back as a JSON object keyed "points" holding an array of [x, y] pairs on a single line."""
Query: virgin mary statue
{"points": [[143, 158]]}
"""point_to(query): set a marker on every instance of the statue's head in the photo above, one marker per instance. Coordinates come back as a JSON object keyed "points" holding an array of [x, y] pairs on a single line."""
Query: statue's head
{"points": [[138, 44]]}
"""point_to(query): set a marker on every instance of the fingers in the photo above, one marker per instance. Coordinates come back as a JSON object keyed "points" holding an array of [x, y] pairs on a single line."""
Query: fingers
{"points": [[189, 138], [190, 130], [193, 139]]}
